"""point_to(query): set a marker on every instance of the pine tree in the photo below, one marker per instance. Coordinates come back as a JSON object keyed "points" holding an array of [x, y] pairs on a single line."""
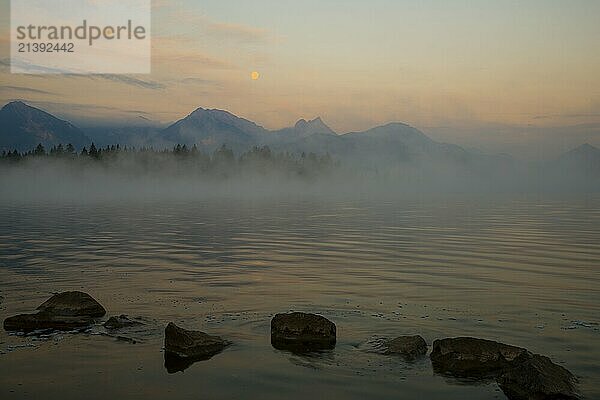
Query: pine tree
{"points": [[93, 151], [39, 150]]}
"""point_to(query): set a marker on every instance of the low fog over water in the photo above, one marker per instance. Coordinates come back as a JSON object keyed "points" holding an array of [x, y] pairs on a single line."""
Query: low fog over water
{"points": [[157, 176]]}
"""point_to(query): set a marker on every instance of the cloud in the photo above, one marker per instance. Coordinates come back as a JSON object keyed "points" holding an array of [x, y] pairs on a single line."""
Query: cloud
{"points": [[30, 68], [82, 114], [199, 81], [24, 90], [79, 107], [581, 115], [38, 71], [129, 80]]}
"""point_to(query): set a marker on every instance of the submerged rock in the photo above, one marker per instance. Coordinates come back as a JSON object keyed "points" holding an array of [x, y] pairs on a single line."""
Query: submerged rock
{"points": [[64, 311], [468, 357], [520, 374], [302, 332], [120, 322], [536, 377], [409, 347], [185, 347]]}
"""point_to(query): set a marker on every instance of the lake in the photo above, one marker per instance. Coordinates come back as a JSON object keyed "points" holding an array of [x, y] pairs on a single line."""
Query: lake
{"points": [[523, 270]]}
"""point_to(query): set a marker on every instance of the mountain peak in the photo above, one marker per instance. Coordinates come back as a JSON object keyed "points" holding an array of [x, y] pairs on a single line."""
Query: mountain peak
{"points": [[306, 128], [587, 147], [215, 114], [212, 127], [198, 110], [23, 127], [16, 106], [19, 109], [203, 112], [585, 158], [584, 150], [301, 123]]}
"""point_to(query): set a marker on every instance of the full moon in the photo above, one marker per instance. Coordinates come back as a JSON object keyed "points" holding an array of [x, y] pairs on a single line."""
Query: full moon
{"points": [[255, 75]]}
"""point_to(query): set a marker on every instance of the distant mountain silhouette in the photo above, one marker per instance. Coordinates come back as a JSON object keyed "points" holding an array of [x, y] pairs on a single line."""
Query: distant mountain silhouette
{"points": [[584, 159], [394, 145], [394, 142], [211, 129], [22, 127], [304, 128]]}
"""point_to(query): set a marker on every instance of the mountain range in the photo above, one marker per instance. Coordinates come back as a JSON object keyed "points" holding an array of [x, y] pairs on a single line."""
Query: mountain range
{"points": [[22, 127]]}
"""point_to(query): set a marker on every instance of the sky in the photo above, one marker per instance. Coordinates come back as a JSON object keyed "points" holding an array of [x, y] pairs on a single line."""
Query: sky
{"points": [[508, 76]]}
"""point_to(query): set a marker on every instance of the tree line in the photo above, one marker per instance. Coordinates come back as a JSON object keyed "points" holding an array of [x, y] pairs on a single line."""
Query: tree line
{"points": [[183, 158]]}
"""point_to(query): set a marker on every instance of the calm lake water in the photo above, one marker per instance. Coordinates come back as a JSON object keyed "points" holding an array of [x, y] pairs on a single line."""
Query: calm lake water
{"points": [[524, 271]]}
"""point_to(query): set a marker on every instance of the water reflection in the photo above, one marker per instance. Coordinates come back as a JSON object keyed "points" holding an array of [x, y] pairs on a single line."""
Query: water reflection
{"points": [[310, 359], [303, 348], [174, 363]]}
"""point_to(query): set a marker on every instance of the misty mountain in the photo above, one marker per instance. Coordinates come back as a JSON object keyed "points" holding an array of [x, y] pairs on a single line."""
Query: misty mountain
{"points": [[22, 127], [212, 128], [302, 129], [391, 143], [391, 147], [584, 160]]}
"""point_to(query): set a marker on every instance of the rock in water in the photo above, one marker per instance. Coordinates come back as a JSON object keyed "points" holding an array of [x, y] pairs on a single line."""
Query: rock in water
{"points": [[194, 345], [536, 377], [120, 322], [64, 311], [302, 332], [520, 374], [409, 347], [467, 357], [72, 304]]}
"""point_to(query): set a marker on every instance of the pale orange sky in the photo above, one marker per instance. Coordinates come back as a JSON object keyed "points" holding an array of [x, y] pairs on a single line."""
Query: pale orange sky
{"points": [[453, 68]]}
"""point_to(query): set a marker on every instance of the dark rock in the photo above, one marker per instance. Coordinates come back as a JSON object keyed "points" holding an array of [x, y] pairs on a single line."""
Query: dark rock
{"points": [[183, 347], [64, 311], [73, 304], [120, 322], [467, 357], [191, 345], [301, 332], [535, 377], [520, 374], [409, 347], [43, 321]]}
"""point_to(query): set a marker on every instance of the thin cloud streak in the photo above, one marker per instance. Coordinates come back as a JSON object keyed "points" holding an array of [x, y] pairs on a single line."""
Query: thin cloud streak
{"points": [[25, 90]]}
